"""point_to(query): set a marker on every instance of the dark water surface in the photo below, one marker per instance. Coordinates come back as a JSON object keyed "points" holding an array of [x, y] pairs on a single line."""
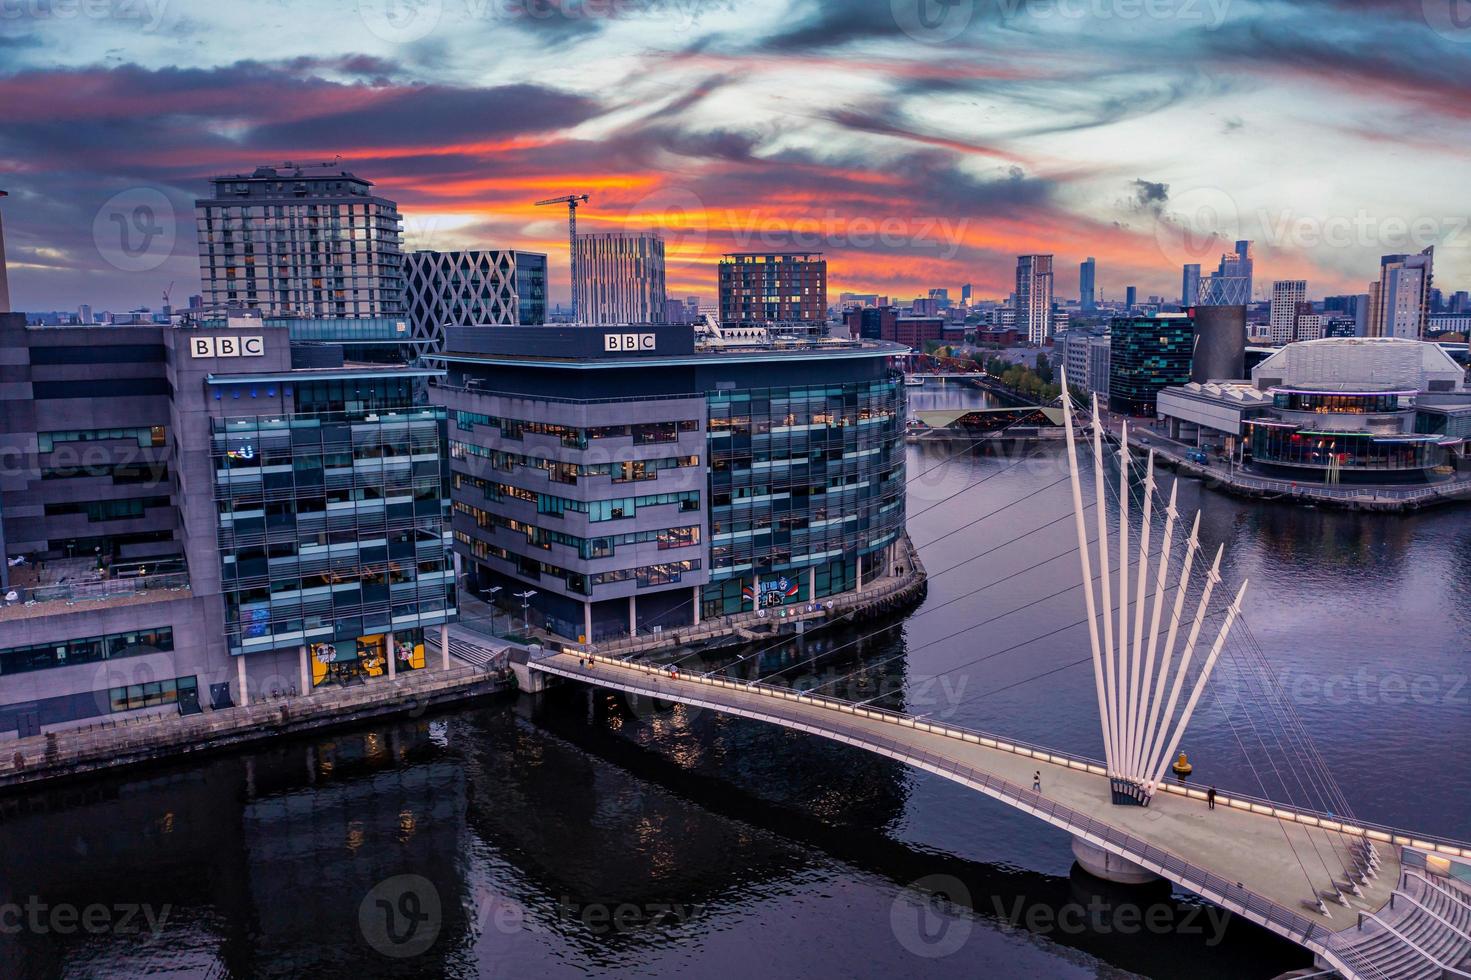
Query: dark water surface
{"points": [[579, 835]]}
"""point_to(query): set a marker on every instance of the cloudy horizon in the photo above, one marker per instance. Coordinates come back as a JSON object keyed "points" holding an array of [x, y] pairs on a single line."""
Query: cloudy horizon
{"points": [[918, 143]]}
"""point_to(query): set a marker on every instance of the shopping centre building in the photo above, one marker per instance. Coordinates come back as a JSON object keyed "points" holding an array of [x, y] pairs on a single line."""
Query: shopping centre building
{"points": [[622, 480]]}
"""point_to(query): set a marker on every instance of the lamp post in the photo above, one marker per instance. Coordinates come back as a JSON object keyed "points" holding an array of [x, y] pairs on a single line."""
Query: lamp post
{"points": [[491, 593], [525, 598]]}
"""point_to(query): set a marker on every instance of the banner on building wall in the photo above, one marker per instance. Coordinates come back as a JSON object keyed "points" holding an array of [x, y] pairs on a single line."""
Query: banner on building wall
{"points": [[770, 592]]}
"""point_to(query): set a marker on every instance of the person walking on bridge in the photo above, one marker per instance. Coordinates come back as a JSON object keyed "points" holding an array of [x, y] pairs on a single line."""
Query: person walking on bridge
{"points": [[1037, 781], [1210, 798]]}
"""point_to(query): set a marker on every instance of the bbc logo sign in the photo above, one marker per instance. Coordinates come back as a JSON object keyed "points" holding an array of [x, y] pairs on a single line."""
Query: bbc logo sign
{"points": [[624, 342], [227, 346]]}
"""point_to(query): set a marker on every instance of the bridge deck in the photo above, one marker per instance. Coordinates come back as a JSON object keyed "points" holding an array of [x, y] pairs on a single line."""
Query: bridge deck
{"points": [[1245, 848]]}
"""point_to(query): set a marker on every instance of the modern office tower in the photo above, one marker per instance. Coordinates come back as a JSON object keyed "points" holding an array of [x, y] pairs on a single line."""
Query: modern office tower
{"points": [[1147, 353], [965, 293], [1190, 286], [205, 512], [620, 277], [1238, 265], [1131, 297], [1353, 306], [84, 315], [1087, 283], [296, 243], [495, 287], [1460, 302], [1100, 354], [1287, 295], [1399, 303], [1034, 297], [778, 288], [633, 481]]}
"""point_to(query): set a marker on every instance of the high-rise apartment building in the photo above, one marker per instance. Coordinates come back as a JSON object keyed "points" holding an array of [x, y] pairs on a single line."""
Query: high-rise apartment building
{"points": [[1287, 296], [1034, 297], [1088, 283], [1399, 303], [311, 242], [492, 287], [620, 277], [1131, 297], [1190, 285], [786, 288]]}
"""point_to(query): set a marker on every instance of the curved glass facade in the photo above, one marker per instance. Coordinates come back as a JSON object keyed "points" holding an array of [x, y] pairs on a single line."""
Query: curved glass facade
{"points": [[802, 478], [1325, 403], [1279, 445]]}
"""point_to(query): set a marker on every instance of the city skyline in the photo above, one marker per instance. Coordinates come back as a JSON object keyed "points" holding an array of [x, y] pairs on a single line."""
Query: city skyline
{"points": [[933, 155]]}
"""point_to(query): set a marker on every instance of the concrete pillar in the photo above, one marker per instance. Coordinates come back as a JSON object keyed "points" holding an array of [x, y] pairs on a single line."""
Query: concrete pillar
{"points": [[587, 622], [1109, 866], [392, 656], [444, 643], [632, 616], [812, 583], [306, 670], [695, 592], [858, 567], [243, 698]]}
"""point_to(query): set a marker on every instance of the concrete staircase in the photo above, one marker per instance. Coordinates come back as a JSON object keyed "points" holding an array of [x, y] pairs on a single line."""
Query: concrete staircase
{"points": [[1423, 934]]}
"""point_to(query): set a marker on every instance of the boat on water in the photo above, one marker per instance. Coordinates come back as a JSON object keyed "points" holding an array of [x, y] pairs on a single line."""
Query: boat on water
{"points": [[913, 381]]}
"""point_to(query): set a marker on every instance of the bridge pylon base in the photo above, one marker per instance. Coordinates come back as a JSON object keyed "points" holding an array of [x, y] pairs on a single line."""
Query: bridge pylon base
{"points": [[1109, 866]]}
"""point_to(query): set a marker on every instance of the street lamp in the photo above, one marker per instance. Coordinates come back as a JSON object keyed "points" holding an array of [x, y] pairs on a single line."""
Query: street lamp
{"points": [[490, 592], [525, 598]]}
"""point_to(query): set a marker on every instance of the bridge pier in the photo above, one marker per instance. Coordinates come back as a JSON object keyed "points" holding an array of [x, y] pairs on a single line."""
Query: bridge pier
{"points": [[1109, 866]]}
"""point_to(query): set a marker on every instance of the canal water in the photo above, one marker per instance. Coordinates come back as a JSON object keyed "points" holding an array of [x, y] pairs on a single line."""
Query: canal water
{"points": [[580, 835]]}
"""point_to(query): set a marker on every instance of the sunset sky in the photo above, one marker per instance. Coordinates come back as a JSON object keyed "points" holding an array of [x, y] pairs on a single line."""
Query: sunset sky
{"points": [[918, 143]]}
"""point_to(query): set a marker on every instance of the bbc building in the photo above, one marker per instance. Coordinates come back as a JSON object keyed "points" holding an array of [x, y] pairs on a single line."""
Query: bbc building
{"points": [[632, 482], [211, 513]]}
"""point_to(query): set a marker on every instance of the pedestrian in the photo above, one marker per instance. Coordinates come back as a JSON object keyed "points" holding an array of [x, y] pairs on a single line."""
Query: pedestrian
{"points": [[1037, 781], [1210, 798], [582, 662]]}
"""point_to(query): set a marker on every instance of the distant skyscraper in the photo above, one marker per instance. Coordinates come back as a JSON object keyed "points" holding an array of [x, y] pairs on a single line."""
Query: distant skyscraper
{"points": [[84, 314], [965, 295], [4, 282], [471, 288], [292, 243], [1190, 285], [775, 288], [1354, 306], [1399, 303], [1034, 297], [620, 278], [1131, 296], [1287, 294], [1235, 265], [1087, 284]]}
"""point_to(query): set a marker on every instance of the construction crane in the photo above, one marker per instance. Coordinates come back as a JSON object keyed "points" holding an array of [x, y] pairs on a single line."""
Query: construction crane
{"points": [[571, 200]]}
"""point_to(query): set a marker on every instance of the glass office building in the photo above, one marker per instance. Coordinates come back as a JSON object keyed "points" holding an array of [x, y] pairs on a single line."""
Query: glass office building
{"points": [[333, 526], [680, 483], [1146, 355]]}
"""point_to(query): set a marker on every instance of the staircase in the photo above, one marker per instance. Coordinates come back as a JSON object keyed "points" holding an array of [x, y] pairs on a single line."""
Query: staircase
{"points": [[471, 648], [1423, 934]]}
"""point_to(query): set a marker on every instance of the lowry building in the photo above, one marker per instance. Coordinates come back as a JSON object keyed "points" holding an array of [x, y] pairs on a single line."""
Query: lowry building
{"points": [[631, 481]]}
